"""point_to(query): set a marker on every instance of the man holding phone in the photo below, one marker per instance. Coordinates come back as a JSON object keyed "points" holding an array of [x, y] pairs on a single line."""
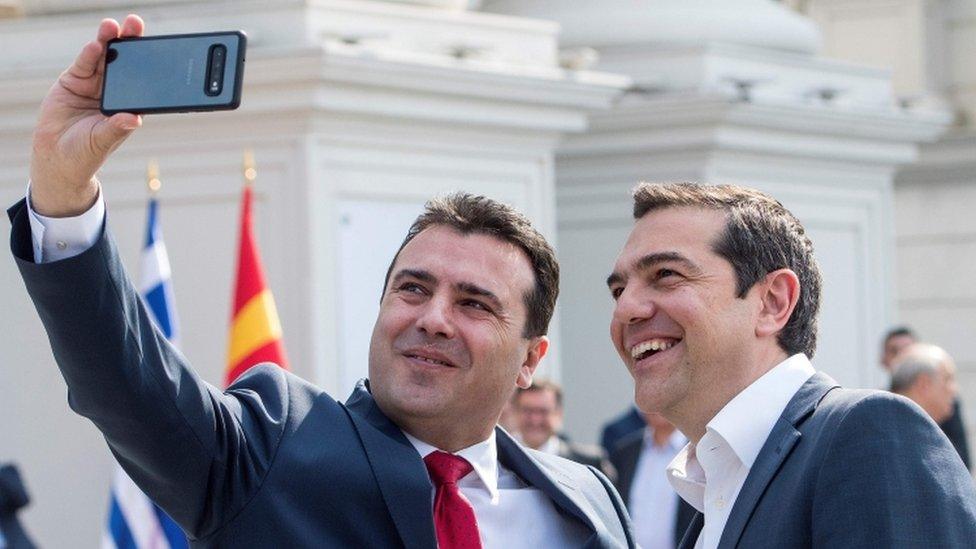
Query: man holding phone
{"points": [[412, 459]]}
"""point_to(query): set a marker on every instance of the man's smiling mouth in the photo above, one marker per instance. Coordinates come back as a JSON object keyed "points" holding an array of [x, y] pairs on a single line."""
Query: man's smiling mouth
{"points": [[651, 347]]}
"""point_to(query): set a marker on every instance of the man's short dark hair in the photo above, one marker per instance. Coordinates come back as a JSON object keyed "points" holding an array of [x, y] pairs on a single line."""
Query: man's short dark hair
{"points": [[541, 385], [899, 331], [760, 236], [471, 214]]}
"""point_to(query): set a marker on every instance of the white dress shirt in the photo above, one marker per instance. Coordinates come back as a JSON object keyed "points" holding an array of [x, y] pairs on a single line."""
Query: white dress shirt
{"points": [[653, 504], [709, 475], [57, 238], [510, 513]]}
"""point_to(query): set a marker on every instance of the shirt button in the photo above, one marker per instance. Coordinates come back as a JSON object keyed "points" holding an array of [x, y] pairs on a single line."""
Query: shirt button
{"points": [[61, 244], [719, 503]]}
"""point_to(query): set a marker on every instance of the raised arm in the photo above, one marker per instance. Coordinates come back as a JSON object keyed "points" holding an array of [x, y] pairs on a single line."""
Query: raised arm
{"points": [[200, 453]]}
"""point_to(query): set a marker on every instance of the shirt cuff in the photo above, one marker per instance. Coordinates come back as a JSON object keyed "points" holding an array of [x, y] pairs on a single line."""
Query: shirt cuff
{"points": [[56, 238]]}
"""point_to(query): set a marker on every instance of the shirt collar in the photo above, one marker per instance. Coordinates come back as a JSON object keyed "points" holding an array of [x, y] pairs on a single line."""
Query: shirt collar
{"points": [[482, 456], [687, 477], [746, 421], [742, 425]]}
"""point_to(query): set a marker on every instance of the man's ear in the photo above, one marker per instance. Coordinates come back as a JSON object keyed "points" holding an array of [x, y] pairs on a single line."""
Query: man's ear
{"points": [[779, 293], [538, 348]]}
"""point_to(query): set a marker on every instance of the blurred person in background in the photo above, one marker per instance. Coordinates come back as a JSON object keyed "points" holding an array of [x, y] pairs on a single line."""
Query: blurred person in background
{"points": [[895, 341], [13, 498], [927, 375], [539, 409], [619, 427], [641, 459], [509, 418]]}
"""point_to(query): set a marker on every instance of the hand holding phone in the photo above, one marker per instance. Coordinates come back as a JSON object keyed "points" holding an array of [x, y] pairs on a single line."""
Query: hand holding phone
{"points": [[72, 138]]}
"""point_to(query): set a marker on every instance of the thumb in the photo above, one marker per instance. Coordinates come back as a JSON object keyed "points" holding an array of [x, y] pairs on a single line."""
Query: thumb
{"points": [[110, 132]]}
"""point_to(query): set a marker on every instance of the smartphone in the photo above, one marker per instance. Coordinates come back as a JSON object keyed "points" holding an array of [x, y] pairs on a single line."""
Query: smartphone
{"points": [[174, 73]]}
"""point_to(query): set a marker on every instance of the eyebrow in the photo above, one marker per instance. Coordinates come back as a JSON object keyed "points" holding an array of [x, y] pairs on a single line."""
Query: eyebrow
{"points": [[474, 289], [463, 287], [419, 274], [650, 260]]}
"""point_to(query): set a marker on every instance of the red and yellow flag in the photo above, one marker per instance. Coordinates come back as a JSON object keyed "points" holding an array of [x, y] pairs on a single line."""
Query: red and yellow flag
{"points": [[255, 331]]}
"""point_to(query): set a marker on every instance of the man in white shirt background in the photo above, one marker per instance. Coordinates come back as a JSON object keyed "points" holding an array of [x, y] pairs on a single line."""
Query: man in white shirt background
{"points": [[716, 297], [641, 458]]}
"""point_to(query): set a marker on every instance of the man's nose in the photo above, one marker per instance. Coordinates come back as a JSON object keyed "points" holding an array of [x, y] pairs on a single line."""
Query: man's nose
{"points": [[435, 318], [633, 306]]}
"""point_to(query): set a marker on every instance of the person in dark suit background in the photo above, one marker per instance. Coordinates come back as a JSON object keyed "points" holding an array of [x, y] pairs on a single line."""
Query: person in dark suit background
{"points": [[619, 427], [13, 498], [539, 413], [641, 458], [893, 343], [716, 296], [412, 459]]}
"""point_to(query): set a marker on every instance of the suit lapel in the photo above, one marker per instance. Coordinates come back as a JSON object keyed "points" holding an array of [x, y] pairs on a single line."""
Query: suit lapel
{"points": [[777, 447], [399, 471], [560, 488]]}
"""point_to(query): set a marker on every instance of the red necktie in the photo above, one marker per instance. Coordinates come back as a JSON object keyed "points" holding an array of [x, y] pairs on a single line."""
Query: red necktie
{"points": [[454, 518]]}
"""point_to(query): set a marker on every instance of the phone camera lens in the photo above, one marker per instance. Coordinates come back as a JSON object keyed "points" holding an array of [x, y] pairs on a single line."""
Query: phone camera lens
{"points": [[215, 69]]}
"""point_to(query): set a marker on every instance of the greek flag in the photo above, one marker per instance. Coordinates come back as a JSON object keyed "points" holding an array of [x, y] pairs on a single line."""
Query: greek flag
{"points": [[133, 520]]}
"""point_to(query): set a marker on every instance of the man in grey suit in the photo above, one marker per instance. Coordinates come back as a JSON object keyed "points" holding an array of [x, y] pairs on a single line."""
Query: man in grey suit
{"points": [[717, 293], [412, 459]]}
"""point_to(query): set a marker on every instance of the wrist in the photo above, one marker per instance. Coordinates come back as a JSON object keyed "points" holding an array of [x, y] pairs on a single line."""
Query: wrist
{"points": [[63, 200]]}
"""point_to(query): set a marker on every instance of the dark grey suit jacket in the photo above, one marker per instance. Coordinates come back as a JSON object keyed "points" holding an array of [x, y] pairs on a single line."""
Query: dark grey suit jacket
{"points": [[852, 468], [13, 498], [273, 461], [955, 429]]}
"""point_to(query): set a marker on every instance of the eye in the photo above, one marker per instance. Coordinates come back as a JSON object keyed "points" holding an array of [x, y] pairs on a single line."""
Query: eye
{"points": [[411, 288], [475, 304], [665, 273], [616, 292]]}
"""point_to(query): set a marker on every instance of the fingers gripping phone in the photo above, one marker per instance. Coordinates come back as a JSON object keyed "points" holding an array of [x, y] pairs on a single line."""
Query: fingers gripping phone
{"points": [[174, 73]]}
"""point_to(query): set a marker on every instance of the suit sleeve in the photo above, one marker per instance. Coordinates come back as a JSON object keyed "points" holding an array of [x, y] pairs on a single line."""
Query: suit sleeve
{"points": [[890, 478], [198, 452]]}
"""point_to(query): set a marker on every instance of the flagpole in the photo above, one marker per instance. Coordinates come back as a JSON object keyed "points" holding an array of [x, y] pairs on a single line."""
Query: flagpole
{"points": [[250, 171], [152, 177]]}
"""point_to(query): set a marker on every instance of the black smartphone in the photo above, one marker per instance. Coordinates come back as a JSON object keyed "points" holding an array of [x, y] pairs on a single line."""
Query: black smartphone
{"points": [[174, 73]]}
